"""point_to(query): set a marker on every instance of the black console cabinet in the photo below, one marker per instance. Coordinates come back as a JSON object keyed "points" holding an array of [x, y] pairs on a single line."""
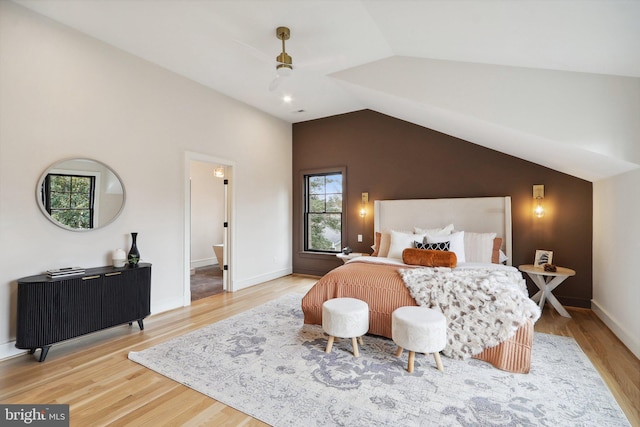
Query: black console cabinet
{"points": [[54, 310]]}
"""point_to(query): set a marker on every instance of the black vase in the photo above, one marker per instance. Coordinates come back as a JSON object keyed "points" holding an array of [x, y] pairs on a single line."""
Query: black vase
{"points": [[134, 254]]}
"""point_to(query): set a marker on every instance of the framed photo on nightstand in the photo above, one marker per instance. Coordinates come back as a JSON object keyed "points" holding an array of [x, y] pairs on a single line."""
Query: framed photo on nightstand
{"points": [[543, 257]]}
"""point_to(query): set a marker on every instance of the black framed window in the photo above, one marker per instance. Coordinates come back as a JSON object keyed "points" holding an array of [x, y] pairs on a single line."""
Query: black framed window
{"points": [[323, 211], [69, 199]]}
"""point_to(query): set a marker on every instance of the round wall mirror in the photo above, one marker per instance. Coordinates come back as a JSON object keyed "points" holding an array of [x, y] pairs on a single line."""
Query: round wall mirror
{"points": [[80, 194]]}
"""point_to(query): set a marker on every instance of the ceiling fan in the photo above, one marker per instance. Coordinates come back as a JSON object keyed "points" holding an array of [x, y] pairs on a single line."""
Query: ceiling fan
{"points": [[284, 62]]}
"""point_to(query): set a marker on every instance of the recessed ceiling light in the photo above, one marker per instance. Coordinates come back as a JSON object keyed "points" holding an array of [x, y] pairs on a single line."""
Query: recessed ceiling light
{"points": [[287, 98]]}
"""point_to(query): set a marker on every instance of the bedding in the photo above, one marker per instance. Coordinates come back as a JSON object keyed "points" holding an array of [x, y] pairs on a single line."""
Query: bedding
{"points": [[483, 306], [468, 214], [429, 258], [479, 247], [476, 245], [456, 243], [400, 241], [378, 282]]}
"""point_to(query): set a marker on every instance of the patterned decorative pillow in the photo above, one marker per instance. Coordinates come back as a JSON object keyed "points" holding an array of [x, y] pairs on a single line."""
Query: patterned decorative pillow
{"points": [[441, 246]]}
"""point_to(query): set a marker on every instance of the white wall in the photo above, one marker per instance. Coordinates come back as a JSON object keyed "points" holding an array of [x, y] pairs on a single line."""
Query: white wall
{"points": [[207, 213], [616, 247], [65, 95], [588, 121]]}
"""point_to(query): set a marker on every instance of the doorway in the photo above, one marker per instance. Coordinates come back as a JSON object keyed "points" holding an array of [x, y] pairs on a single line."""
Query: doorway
{"points": [[207, 226]]}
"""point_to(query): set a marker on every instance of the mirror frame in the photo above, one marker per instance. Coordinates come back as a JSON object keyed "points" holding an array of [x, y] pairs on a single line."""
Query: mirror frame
{"points": [[54, 166]]}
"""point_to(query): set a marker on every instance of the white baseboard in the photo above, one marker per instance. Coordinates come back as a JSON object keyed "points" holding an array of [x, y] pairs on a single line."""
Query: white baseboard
{"points": [[196, 263], [241, 284], [8, 350], [632, 342], [166, 305]]}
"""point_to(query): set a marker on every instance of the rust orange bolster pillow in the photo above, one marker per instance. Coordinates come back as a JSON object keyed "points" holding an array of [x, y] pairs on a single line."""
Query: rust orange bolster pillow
{"points": [[429, 258]]}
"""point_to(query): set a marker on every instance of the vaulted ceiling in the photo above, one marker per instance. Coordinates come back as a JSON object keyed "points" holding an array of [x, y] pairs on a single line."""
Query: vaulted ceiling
{"points": [[553, 82]]}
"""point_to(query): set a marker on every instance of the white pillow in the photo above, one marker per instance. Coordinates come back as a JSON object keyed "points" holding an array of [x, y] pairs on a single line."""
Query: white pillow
{"points": [[478, 247], [456, 243], [400, 241], [503, 257], [448, 229]]}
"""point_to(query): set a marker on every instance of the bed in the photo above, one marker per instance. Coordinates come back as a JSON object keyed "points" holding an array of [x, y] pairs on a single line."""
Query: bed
{"points": [[383, 280]]}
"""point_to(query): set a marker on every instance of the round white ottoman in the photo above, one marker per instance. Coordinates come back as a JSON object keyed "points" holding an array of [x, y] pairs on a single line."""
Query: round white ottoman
{"points": [[345, 318], [419, 329]]}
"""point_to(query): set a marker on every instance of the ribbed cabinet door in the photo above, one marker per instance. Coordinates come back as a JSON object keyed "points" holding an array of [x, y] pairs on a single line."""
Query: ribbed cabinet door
{"points": [[32, 315], [79, 306], [119, 298], [126, 296], [144, 291], [52, 312]]}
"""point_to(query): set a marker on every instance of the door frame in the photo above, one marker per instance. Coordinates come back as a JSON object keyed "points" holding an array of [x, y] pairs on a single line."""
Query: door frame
{"points": [[228, 275]]}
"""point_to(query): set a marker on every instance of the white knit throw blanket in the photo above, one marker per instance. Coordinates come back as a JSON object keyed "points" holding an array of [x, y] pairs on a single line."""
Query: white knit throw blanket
{"points": [[483, 307]]}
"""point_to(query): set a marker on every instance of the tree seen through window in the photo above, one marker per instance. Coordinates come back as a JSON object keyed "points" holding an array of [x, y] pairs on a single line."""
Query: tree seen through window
{"points": [[69, 199], [323, 230]]}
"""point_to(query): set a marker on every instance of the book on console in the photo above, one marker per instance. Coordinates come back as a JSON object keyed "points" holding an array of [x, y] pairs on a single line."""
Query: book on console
{"points": [[66, 271]]}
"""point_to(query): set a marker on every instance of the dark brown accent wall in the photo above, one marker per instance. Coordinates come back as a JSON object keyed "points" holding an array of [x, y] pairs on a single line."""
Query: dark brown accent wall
{"points": [[394, 159]]}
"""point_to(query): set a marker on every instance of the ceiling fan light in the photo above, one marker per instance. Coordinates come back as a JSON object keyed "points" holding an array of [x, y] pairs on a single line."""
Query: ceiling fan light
{"points": [[284, 70]]}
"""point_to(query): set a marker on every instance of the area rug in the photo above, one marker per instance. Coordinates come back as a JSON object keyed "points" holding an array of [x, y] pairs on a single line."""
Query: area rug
{"points": [[267, 364]]}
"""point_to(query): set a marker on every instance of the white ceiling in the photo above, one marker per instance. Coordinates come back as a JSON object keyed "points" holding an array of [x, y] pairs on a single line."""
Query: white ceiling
{"points": [[351, 55]]}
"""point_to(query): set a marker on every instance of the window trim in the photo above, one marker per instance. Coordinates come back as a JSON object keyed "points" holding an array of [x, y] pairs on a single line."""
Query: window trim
{"points": [[343, 232]]}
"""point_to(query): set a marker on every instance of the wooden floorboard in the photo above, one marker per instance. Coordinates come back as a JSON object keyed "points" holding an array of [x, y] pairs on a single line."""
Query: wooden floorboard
{"points": [[93, 375]]}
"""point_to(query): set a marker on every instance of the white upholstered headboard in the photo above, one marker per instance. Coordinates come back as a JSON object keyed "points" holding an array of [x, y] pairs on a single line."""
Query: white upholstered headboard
{"points": [[477, 214]]}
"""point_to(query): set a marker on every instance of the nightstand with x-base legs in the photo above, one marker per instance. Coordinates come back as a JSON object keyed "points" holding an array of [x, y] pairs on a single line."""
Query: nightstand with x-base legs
{"points": [[547, 281]]}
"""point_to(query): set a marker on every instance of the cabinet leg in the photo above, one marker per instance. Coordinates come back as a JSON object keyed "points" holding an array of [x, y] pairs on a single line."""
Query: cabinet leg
{"points": [[140, 324], [43, 353], [32, 350]]}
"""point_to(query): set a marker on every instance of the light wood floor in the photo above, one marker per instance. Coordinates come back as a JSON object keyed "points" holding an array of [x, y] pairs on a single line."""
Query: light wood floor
{"points": [[103, 387]]}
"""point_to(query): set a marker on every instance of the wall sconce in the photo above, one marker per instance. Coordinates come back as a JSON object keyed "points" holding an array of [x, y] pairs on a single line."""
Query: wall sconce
{"points": [[538, 196], [218, 172], [363, 204]]}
